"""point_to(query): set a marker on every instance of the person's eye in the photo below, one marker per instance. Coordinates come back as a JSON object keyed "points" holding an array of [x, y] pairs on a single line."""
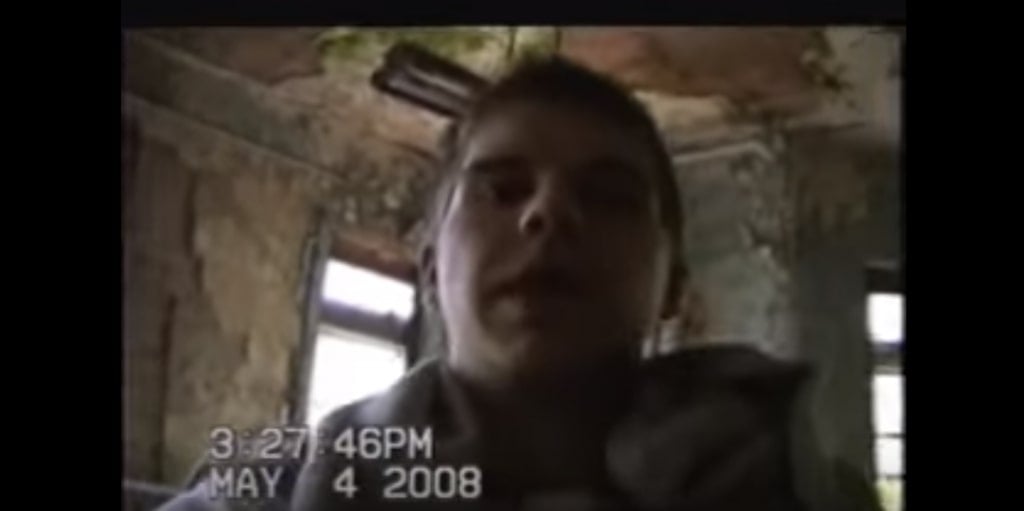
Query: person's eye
{"points": [[506, 182], [509, 190], [614, 190]]}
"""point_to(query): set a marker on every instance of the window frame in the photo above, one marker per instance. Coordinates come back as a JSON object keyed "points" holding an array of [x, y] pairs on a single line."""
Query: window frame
{"points": [[352, 318], [321, 247], [887, 357]]}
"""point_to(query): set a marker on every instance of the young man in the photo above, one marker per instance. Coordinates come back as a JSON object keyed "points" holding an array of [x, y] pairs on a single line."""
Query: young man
{"points": [[556, 251]]}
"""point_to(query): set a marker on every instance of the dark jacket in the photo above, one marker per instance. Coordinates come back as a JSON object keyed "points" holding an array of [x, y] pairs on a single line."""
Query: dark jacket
{"points": [[708, 429]]}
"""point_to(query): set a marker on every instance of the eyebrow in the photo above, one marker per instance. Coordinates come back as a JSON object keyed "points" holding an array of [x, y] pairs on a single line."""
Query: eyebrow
{"points": [[494, 164], [605, 165], [614, 166]]}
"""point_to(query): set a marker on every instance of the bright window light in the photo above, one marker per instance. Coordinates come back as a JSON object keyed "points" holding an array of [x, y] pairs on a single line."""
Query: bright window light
{"points": [[367, 290], [891, 492], [889, 456], [348, 366], [888, 404], [885, 317]]}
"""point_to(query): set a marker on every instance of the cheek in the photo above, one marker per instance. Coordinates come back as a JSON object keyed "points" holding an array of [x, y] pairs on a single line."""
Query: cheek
{"points": [[453, 266], [477, 232], [468, 243]]}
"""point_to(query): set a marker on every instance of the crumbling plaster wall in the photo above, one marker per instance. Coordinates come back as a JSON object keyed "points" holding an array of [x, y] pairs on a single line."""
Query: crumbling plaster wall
{"points": [[782, 228], [847, 187], [230, 178], [737, 244], [847, 190], [779, 234]]}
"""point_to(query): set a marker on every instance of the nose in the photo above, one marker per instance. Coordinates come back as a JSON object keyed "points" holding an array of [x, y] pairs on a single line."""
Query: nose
{"points": [[550, 210]]}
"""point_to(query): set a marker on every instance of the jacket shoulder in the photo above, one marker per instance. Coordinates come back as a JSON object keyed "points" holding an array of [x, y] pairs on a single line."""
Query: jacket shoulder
{"points": [[743, 371]]}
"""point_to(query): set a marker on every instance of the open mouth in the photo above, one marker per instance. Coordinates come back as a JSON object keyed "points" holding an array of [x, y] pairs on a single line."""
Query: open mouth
{"points": [[542, 283]]}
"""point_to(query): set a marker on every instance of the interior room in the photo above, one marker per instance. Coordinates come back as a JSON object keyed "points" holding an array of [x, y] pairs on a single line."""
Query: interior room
{"points": [[275, 183]]}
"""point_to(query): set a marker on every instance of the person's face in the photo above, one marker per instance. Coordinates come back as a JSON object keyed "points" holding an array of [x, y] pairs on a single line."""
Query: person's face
{"points": [[550, 254]]}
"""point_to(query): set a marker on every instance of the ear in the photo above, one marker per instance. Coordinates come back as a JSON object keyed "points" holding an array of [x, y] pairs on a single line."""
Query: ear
{"points": [[428, 271], [678, 279]]}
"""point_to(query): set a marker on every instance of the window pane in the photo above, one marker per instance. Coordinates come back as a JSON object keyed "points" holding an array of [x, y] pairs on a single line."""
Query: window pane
{"points": [[888, 403], [891, 493], [348, 366], [885, 317], [889, 456], [367, 290]]}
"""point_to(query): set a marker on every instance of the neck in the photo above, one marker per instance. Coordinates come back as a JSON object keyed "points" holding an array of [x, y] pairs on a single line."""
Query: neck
{"points": [[545, 428], [583, 393]]}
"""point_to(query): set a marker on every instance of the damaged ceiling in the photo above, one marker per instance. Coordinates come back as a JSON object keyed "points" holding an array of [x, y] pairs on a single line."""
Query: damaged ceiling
{"points": [[306, 91], [697, 80]]}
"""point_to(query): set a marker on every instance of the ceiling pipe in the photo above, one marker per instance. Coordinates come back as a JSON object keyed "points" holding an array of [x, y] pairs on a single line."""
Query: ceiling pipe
{"points": [[415, 75], [754, 147]]}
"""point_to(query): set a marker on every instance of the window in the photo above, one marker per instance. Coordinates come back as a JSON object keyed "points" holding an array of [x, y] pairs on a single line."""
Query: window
{"points": [[357, 352], [885, 313], [375, 293], [885, 329], [888, 422]]}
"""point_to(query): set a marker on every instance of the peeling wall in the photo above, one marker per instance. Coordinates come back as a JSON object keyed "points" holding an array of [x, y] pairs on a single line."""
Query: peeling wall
{"points": [[737, 211], [778, 235], [848, 205], [221, 271], [227, 181]]}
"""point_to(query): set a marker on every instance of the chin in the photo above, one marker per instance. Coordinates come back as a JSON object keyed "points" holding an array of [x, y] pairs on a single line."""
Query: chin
{"points": [[543, 318], [554, 368], [568, 348], [552, 334]]}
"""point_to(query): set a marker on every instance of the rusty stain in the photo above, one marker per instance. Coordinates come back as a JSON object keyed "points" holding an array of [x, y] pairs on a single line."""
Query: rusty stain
{"points": [[761, 68]]}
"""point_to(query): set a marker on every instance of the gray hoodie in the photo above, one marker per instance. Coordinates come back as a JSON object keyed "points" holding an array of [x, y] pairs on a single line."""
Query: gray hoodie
{"points": [[707, 429]]}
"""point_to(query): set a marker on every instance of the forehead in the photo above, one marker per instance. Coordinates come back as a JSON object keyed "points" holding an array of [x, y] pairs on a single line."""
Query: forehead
{"points": [[552, 134]]}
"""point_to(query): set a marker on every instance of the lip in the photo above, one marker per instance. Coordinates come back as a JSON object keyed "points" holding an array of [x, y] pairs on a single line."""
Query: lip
{"points": [[543, 281]]}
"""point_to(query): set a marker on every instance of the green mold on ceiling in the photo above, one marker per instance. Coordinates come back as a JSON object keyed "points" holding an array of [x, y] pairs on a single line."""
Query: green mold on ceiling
{"points": [[484, 50]]}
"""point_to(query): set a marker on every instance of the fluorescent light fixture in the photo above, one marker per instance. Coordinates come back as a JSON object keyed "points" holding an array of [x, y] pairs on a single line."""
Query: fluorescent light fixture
{"points": [[413, 74]]}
